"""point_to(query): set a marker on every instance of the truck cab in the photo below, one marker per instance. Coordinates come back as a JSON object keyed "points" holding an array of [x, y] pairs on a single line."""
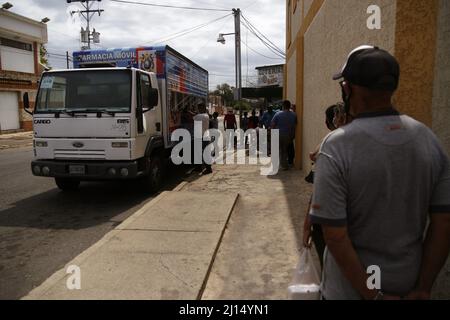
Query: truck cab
{"points": [[98, 124]]}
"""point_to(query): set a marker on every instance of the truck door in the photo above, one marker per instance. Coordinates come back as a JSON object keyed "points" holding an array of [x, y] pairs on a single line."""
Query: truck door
{"points": [[146, 116], [143, 90]]}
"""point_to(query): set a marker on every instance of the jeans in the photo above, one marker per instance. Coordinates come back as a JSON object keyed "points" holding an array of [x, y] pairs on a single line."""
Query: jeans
{"points": [[285, 141]]}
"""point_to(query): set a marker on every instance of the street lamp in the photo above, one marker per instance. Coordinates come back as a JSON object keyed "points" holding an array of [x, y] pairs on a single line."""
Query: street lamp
{"points": [[7, 6], [237, 52]]}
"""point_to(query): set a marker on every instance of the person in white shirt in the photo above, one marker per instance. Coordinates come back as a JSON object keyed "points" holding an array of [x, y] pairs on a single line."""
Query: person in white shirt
{"points": [[203, 117]]}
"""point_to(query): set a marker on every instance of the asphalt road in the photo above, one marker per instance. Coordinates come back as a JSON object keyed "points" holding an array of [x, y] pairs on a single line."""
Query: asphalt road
{"points": [[42, 228]]}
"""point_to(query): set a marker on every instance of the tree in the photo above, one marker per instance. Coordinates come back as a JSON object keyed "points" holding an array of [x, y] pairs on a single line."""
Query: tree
{"points": [[226, 92], [43, 56], [243, 105]]}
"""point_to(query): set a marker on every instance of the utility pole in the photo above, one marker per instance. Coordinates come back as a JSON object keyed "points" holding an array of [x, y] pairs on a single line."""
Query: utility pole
{"points": [[238, 62], [87, 14], [237, 54], [67, 59]]}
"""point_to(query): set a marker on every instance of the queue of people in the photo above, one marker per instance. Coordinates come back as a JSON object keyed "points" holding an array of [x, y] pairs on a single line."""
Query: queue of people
{"points": [[381, 193]]}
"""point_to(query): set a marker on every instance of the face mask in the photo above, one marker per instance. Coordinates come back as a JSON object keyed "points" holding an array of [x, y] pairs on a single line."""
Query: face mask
{"points": [[346, 99]]}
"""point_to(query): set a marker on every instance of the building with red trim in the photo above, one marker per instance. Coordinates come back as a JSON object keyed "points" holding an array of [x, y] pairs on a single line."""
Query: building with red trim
{"points": [[20, 41]]}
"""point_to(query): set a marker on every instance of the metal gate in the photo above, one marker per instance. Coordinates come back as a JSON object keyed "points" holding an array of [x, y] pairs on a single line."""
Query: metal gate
{"points": [[9, 111]]}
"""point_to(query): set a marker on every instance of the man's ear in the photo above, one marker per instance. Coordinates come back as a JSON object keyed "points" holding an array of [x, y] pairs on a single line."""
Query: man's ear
{"points": [[347, 88]]}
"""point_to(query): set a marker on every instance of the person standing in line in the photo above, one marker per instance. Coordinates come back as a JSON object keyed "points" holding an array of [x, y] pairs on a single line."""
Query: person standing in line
{"points": [[291, 148], [203, 118], [267, 117], [285, 121], [244, 122], [334, 118], [266, 122], [230, 123], [378, 180], [253, 121], [214, 121]]}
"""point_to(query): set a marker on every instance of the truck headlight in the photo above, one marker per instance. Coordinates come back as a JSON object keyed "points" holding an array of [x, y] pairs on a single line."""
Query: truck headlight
{"points": [[119, 144], [45, 171], [37, 170], [124, 172], [41, 144]]}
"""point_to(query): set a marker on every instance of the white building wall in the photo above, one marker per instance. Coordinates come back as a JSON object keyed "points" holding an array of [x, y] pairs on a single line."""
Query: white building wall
{"points": [[21, 26]]}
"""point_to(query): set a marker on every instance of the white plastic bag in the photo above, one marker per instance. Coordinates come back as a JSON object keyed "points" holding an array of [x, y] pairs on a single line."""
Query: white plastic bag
{"points": [[305, 284]]}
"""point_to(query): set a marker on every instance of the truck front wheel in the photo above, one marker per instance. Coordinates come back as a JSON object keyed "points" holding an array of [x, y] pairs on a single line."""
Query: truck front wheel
{"points": [[153, 181], [67, 184]]}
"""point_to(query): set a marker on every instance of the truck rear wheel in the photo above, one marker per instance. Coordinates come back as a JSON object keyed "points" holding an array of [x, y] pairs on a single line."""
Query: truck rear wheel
{"points": [[67, 184]]}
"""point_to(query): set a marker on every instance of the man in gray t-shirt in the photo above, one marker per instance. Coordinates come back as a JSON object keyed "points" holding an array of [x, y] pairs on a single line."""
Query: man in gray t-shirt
{"points": [[377, 179]]}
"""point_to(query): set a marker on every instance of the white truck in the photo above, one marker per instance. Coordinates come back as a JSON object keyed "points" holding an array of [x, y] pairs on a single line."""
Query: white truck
{"points": [[111, 117]]}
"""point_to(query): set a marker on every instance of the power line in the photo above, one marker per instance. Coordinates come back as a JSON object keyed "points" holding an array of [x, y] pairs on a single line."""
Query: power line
{"points": [[270, 42], [56, 54], [272, 47], [266, 44], [227, 75], [262, 55], [186, 31], [168, 6], [246, 53]]}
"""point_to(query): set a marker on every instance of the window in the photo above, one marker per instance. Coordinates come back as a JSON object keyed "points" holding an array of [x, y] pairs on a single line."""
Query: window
{"points": [[16, 44], [88, 91], [145, 86]]}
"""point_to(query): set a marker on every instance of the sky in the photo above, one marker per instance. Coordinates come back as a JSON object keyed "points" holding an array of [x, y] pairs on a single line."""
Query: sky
{"points": [[129, 25]]}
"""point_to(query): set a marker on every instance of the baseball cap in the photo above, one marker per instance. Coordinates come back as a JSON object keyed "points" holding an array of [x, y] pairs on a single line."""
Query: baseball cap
{"points": [[371, 67]]}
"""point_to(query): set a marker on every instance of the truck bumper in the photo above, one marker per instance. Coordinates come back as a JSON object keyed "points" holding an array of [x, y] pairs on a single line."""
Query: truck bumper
{"points": [[86, 170]]}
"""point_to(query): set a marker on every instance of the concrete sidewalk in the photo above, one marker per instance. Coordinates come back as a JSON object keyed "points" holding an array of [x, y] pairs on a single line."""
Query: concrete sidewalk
{"points": [[163, 251], [16, 140], [203, 241], [200, 241], [260, 245]]}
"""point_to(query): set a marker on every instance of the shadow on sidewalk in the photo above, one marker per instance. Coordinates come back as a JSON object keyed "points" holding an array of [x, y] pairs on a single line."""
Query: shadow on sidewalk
{"points": [[297, 193], [40, 234]]}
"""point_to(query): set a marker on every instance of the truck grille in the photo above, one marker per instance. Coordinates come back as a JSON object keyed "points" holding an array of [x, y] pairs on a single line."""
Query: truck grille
{"points": [[80, 154]]}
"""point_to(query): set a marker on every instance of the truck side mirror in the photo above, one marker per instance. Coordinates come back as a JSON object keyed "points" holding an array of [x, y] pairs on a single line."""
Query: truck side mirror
{"points": [[26, 103], [153, 97]]}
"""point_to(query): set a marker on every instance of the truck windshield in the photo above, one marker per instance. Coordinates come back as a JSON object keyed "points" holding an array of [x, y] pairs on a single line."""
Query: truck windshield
{"points": [[86, 91]]}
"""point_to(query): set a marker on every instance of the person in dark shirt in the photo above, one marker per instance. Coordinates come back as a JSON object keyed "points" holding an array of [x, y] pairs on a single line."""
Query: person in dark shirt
{"points": [[253, 121]]}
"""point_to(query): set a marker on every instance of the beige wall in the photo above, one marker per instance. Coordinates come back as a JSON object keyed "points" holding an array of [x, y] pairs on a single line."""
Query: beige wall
{"points": [[297, 19], [339, 26], [417, 32], [441, 92]]}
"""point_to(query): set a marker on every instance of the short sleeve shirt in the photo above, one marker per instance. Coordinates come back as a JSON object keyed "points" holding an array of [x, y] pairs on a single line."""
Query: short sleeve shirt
{"points": [[285, 122], [380, 176], [203, 119]]}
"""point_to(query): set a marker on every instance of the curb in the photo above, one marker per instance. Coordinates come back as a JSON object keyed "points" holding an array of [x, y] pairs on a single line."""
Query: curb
{"points": [[216, 250]]}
